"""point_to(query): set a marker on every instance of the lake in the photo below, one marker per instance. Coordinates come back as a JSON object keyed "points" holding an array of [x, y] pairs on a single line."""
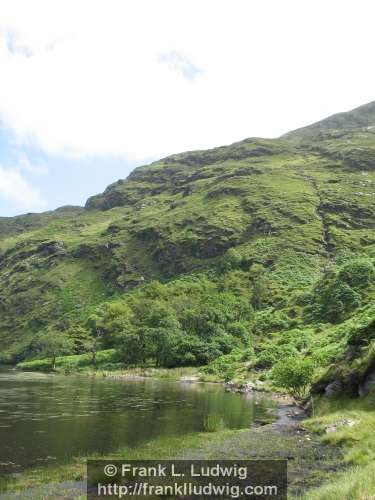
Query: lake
{"points": [[48, 418]]}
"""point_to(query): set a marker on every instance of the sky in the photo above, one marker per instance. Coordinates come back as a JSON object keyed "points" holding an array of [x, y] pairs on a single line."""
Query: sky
{"points": [[91, 89]]}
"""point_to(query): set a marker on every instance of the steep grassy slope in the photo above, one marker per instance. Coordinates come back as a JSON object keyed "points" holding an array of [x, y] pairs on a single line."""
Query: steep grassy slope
{"points": [[362, 117], [270, 221]]}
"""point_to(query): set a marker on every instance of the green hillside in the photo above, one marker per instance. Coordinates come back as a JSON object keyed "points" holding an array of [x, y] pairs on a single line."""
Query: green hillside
{"points": [[260, 251]]}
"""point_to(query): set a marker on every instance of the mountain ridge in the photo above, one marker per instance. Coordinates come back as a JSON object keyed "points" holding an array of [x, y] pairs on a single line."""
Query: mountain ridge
{"points": [[360, 117], [265, 228]]}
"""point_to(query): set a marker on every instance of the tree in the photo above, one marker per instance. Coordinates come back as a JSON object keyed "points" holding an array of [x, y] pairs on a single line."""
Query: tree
{"points": [[165, 331], [152, 336], [79, 335], [52, 344], [85, 341], [135, 345], [92, 345]]}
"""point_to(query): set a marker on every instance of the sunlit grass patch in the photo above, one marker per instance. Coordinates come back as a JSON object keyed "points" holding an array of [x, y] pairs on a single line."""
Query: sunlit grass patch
{"points": [[357, 441]]}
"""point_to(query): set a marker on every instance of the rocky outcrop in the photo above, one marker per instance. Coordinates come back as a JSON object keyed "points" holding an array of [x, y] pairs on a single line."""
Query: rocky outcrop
{"points": [[367, 385], [51, 247], [334, 388]]}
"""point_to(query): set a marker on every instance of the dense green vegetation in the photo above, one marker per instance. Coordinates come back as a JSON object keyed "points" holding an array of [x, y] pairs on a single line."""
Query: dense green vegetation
{"points": [[254, 261], [234, 258]]}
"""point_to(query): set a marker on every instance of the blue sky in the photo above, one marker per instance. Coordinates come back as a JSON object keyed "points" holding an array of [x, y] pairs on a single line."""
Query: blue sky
{"points": [[91, 89], [56, 180]]}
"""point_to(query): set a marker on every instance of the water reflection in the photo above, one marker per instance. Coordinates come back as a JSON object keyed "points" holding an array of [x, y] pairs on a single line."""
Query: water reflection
{"points": [[52, 418]]}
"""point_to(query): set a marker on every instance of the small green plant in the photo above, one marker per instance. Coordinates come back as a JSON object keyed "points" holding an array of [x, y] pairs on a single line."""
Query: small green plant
{"points": [[213, 423]]}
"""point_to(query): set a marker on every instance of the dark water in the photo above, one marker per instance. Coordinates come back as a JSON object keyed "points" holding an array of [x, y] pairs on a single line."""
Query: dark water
{"points": [[50, 418]]}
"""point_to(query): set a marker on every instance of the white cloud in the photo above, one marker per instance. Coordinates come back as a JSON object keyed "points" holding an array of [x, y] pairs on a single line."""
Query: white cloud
{"points": [[26, 165], [143, 78], [15, 188], [181, 64]]}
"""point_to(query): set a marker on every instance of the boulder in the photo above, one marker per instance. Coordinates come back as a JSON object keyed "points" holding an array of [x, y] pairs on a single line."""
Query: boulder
{"points": [[230, 386], [247, 387], [334, 388], [367, 384]]}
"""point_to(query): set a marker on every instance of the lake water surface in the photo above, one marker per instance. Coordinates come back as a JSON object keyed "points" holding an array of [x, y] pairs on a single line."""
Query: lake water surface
{"points": [[46, 418]]}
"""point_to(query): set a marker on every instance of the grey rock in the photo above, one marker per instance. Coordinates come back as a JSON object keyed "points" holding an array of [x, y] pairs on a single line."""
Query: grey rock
{"points": [[334, 388], [366, 386], [247, 387], [340, 423], [230, 386]]}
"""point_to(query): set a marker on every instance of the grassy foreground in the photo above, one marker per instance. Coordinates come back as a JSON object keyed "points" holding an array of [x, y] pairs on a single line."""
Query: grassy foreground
{"points": [[357, 441], [355, 482], [165, 447], [350, 424]]}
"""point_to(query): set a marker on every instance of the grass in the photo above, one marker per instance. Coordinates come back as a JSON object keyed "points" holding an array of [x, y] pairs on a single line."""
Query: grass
{"points": [[357, 483], [108, 365], [166, 447], [214, 423], [159, 373], [357, 443], [358, 440], [74, 363]]}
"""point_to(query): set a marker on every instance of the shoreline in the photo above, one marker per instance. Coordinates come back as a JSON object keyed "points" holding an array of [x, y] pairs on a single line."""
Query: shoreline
{"points": [[169, 375], [69, 479], [299, 428]]}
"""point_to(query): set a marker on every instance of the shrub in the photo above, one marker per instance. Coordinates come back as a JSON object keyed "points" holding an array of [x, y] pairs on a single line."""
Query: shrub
{"points": [[225, 366], [294, 374], [270, 354], [269, 320], [232, 259], [340, 291], [357, 273]]}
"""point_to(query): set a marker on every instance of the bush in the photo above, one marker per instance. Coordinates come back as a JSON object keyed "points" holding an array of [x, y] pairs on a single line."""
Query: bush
{"points": [[268, 321], [225, 366], [357, 273], [294, 374], [340, 291], [232, 259], [270, 354]]}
